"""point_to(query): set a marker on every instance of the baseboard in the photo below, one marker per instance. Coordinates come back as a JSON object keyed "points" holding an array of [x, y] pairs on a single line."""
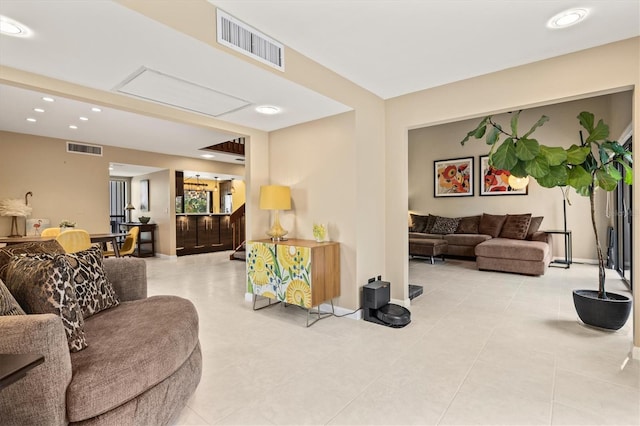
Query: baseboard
{"points": [[578, 260], [635, 352], [248, 297]]}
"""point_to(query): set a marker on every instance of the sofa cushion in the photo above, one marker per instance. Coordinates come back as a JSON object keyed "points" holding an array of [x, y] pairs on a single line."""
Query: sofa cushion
{"points": [[534, 226], [418, 222], [466, 239], [94, 292], [42, 284], [506, 248], [445, 225], [6, 253], [133, 347], [516, 226], [468, 225], [8, 304], [491, 224]]}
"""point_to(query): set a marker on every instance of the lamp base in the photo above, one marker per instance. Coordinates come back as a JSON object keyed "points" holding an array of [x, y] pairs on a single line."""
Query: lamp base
{"points": [[277, 232], [14, 228]]}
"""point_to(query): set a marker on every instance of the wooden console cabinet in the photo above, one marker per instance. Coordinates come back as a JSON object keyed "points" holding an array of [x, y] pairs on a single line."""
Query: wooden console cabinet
{"points": [[202, 233], [298, 272], [146, 245]]}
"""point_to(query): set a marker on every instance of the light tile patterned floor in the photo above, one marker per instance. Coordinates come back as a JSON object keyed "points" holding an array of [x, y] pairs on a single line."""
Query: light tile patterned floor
{"points": [[482, 348]]}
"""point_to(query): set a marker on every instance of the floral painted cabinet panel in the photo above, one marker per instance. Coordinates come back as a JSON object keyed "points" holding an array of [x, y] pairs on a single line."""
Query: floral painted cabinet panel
{"points": [[300, 272]]}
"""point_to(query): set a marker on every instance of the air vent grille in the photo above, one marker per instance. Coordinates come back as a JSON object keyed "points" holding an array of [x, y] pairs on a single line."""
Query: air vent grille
{"points": [[86, 149], [241, 37]]}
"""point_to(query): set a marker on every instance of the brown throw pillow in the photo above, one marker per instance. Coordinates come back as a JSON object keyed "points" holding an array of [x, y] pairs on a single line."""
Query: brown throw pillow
{"points": [[418, 222], [534, 225], [41, 283], [8, 305], [516, 226], [445, 225], [491, 224], [468, 225], [93, 290], [6, 253]]}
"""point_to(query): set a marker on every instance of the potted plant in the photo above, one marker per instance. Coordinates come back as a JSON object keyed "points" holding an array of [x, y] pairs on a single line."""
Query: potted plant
{"points": [[584, 167]]}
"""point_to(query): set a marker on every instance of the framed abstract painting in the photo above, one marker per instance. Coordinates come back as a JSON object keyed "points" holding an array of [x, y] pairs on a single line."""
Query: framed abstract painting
{"points": [[453, 178], [495, 181]]}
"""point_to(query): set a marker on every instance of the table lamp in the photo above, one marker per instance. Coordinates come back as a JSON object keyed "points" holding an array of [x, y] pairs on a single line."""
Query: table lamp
{"points": [[128, 209], [275, 197]]}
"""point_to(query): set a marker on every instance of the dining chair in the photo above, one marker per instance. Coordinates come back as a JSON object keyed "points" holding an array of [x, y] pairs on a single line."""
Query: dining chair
{"points": [[50, 232], [129, 245], [74, 240]]}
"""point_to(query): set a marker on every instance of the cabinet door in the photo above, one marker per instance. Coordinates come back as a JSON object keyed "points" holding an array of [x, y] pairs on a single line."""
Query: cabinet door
{"points": [[186, 232], [208, 231]]}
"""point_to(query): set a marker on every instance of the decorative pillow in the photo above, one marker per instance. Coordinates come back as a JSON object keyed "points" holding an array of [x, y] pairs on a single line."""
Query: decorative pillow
{"points": [[491, 224], [6, 253], [431, 220], [93, 290], [445, 225], [516, 226], [534, 225], [468, 225], [41, 283], [8, 305], [418, 222]]}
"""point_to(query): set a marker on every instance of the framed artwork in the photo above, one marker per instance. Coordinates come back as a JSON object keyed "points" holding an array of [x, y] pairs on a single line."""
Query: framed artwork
{"points": [[36, 226], [144, 195], [495, 181], [453, 178]]}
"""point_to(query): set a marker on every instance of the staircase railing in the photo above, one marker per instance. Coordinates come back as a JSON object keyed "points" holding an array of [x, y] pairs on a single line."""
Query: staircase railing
{"points": [[238, 226]]}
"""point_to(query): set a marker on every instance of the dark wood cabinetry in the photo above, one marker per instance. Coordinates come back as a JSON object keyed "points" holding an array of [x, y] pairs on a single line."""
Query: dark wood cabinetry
{"points": [[202, 234]]}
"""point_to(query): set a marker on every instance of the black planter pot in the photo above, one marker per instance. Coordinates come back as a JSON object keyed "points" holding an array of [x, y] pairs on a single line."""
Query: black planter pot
{"points": [[610, 313]]}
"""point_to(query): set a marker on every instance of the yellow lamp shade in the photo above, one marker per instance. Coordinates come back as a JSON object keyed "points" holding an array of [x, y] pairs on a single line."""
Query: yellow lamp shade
{"points": [[275, 197]]}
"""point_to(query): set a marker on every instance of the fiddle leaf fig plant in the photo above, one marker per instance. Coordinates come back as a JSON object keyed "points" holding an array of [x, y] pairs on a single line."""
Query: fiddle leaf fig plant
{"points": [[584, 167]]}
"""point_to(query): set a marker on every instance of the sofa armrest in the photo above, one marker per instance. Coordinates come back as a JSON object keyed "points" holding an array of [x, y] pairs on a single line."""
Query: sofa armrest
{"points": [[38, 398], [128, 275], [544, 237]]}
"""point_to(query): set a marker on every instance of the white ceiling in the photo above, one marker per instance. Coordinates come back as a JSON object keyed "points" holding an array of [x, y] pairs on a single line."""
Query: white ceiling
{"points": [[388, 47]]}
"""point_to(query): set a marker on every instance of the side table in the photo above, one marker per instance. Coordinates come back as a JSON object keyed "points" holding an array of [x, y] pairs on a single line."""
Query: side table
{"points": [[14, 367], [568, 252], [146, 245]]}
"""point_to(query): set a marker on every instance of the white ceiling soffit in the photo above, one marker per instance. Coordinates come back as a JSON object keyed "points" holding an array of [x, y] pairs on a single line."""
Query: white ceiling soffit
{"points": [[165, 89], [131, 170]]}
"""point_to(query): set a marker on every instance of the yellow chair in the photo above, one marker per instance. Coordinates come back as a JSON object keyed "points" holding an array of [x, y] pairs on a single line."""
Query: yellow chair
{"points": [[74, 240], [50, 232], [129, 245]]}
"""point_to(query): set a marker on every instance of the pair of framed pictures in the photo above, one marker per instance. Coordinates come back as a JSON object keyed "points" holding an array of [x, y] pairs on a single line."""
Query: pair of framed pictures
{"points": [[454, 178]]}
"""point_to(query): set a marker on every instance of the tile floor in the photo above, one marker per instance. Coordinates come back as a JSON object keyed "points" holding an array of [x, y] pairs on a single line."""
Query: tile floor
{"points": [[482, 348]]}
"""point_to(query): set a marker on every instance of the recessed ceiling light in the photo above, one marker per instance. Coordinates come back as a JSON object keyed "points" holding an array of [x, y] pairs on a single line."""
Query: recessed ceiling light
{"points": [[96, 109], [73, 126], [207, 155], [31, 119], [268, 109], [48, 99], [38, 110], [84, 119], [567, 18], [13, 28]]}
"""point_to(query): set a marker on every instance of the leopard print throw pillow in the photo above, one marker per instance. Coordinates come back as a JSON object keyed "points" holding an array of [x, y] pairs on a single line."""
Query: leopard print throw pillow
{"points": [[42, 284], [93, 290]]}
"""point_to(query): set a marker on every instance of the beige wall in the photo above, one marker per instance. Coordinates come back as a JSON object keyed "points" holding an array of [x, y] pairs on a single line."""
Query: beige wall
{"points": [[441, 142], [76, 187], [606, 69], [316, 160]]}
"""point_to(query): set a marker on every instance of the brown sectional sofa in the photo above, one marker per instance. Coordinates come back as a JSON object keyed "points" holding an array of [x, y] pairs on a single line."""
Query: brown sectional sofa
{"points": [[506, 243]]}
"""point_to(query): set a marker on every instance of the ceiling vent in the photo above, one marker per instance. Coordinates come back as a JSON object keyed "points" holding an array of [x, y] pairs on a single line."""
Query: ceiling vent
{"points": [[83, 148], [242, 38]]}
